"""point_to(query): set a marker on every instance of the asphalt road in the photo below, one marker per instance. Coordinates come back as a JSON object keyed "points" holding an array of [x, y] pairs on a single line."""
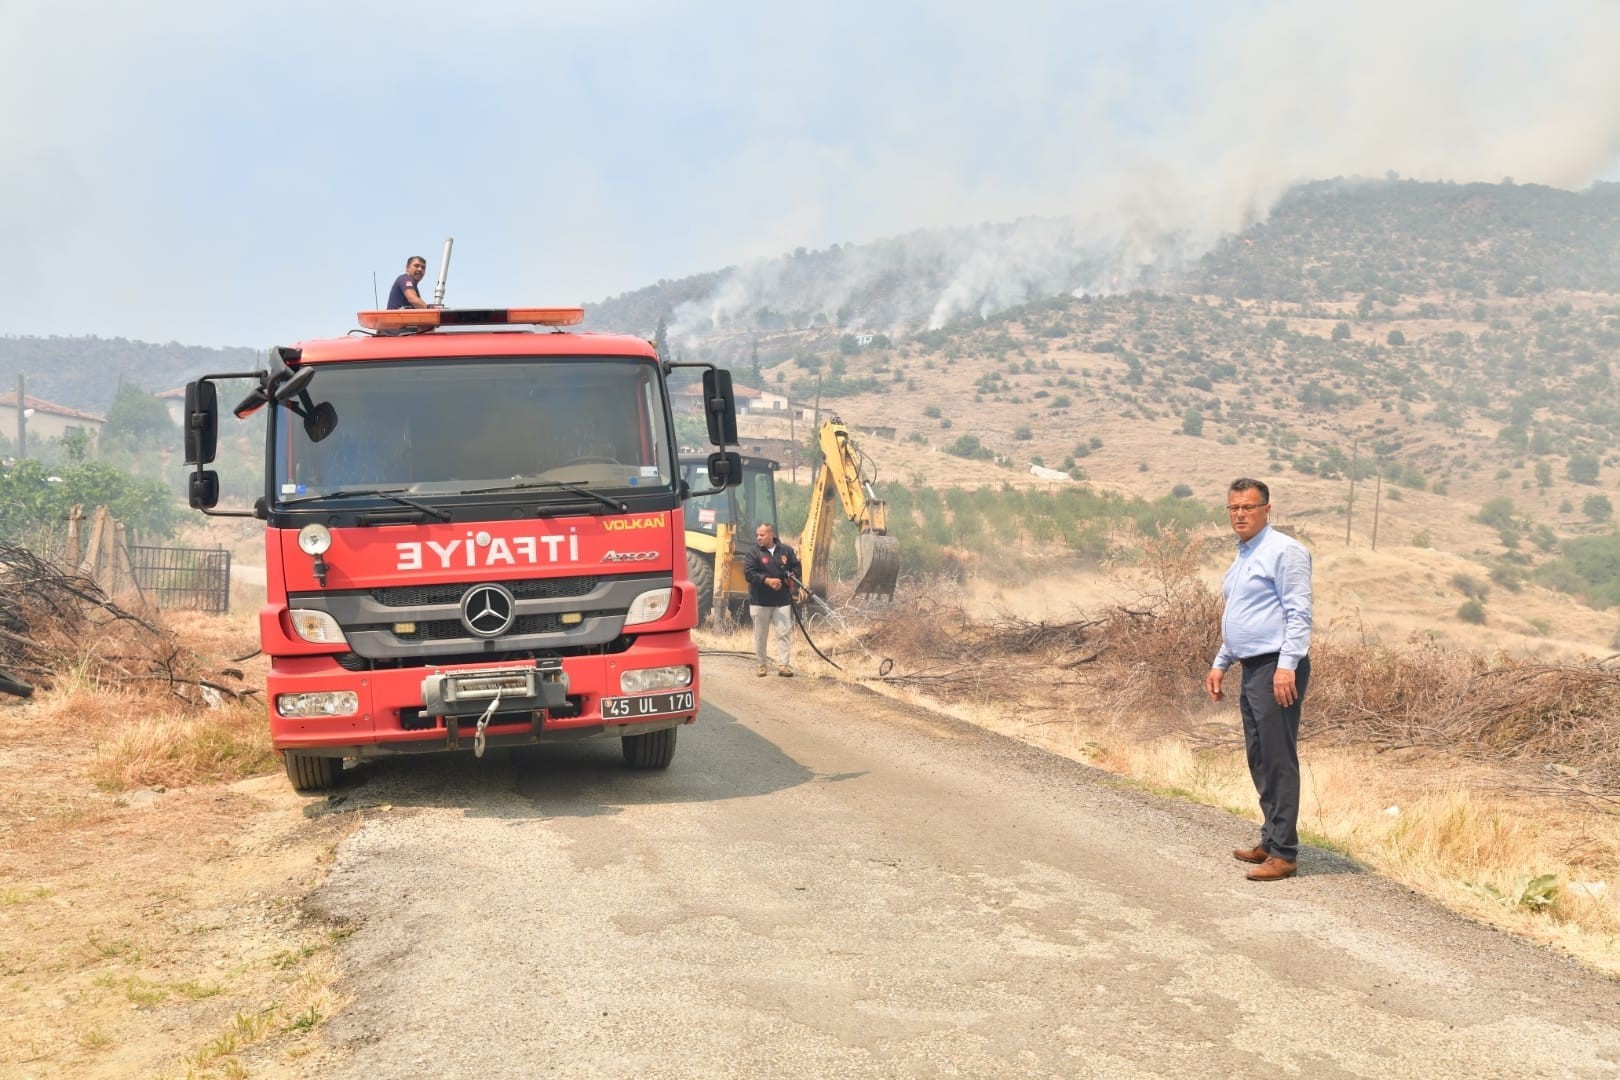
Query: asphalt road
{"points": [[825, 884]]}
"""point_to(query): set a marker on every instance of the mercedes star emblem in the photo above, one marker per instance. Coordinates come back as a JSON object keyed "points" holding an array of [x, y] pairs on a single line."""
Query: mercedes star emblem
{"points": [[488, 610]]}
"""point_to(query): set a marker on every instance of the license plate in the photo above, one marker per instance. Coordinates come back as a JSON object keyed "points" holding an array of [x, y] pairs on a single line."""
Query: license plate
{"points": [[631, 708]]}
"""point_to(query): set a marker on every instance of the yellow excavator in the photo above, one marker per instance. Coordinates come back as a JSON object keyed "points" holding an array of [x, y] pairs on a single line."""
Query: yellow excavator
{"points": [[720, 527]]}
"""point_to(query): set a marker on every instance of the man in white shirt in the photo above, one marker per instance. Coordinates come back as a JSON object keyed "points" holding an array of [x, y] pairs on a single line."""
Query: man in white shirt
{"points": [[1266, 628]]}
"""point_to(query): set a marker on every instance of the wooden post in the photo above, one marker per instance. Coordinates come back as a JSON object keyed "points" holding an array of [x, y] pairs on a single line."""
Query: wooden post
{"points": [[1378, 492], [1350, 507], [74, 550], [92, 548]]}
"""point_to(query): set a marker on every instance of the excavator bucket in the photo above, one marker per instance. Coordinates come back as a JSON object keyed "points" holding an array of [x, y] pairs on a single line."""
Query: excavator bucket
{"points": [[878, 559]]}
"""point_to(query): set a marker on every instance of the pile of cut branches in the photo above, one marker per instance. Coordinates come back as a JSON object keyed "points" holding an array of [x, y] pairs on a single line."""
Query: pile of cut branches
{"points": [[1144, 662], [1501, 708], [54, 621]]}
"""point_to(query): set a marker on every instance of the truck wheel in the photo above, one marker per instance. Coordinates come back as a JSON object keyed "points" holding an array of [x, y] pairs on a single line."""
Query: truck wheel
{"points": [[700, 568], [654, 750], [310, 773]]}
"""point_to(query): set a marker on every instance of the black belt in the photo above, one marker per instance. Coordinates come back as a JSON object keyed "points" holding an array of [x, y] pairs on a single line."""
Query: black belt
{"points": [[1262, 658]]}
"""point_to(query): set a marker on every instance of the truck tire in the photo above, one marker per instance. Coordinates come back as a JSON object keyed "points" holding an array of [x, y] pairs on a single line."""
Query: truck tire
{"points": [[700, 568], [654, 750], [310, 773]]}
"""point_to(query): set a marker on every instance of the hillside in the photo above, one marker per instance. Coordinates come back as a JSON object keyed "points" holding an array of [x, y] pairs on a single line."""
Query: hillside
{"points": [[85, 372]]}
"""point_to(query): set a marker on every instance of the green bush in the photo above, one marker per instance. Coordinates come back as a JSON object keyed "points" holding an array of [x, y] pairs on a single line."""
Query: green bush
{"points": [[33, 497]]}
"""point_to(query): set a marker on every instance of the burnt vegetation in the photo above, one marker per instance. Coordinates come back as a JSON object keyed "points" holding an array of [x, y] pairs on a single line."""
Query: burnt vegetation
{"points": [[1137, 667]]}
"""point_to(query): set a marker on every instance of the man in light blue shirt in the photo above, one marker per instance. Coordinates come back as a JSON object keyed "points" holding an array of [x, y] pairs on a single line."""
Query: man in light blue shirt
{"points": [[1267, 629]]}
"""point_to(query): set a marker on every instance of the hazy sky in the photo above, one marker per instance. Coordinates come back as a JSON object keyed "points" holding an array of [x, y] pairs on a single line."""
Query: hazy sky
{"points": [[224, 174]]}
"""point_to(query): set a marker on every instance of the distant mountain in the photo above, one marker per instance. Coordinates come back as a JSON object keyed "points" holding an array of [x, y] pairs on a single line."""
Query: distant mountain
{"points": [[86, 372], [1329, 240], [1330, 243], [1324, 241]]}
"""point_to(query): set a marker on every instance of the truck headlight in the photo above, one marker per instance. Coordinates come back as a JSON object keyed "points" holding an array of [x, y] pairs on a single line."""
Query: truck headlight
{"points": [[323, 703], [649, 607], [648, 680], [316, 626]]}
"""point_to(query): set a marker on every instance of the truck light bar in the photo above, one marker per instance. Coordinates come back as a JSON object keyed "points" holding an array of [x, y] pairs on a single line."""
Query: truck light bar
{"points": [[432, 318]]}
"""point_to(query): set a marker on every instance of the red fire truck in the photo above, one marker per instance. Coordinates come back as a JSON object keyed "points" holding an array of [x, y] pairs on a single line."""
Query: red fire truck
{"points": [[473, 536]]}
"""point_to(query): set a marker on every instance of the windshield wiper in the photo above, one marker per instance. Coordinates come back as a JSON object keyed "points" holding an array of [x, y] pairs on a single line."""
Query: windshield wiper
{"points": [[391, 494], [562, 485]]}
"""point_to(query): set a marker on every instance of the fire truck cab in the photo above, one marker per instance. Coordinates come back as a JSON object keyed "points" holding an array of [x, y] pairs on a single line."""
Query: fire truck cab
{"points": [[473, 536]]}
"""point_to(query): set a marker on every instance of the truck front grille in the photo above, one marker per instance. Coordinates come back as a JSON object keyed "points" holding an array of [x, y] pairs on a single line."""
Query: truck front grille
{"points": [[403, 596], [452, 629]]}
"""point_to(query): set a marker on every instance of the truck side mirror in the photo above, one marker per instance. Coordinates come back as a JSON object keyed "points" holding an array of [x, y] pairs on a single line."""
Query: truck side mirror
{"points": [[251, 404], [202, 422], [720, 408], [725, 468], [320, 422], [293, 385], [204, 489]]}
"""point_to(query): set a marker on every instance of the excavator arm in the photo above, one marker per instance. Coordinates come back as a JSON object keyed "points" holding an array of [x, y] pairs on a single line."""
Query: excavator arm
{"points": [[844, 481]]}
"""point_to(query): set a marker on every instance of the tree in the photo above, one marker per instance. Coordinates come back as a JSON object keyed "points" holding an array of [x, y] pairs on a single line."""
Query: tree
{"points": [[29, 498], [1597, 508], [1192, 423], [1396, 338], [137, 419], [1543, 476], [753, 362], [1341, 331], [660, 341], [1498, 513], [1583, 468]]}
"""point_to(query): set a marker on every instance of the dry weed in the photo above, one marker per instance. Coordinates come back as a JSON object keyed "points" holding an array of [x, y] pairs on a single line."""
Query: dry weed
{"points": [[226, 743]]}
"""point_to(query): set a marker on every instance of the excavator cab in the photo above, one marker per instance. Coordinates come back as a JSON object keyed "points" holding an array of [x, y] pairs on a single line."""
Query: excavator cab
{"points": [[720, 527], [720, 530]]}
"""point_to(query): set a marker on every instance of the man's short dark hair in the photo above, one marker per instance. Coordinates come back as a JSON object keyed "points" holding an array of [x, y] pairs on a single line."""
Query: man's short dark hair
{"points": [[415, 258], [1244, 483]]}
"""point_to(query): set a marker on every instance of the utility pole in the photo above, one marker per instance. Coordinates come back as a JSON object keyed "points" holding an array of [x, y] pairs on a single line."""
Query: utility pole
{"points": [[22, 420], [1350, 508], [1378, 492]]}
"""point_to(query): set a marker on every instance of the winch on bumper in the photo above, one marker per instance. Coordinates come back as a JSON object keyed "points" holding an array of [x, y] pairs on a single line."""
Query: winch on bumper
{"points": [[479, 694]]}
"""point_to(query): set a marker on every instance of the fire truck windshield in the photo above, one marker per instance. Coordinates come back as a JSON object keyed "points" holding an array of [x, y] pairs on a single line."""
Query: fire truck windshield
{"points": [[430, 427]]}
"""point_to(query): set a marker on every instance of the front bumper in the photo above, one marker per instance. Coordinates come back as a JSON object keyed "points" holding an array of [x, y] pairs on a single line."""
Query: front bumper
{"points": [[435, 709]]}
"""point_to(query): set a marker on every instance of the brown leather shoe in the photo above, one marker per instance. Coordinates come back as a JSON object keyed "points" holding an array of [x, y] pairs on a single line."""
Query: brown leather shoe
{"points": [[1273, 869], [1255, 855]]}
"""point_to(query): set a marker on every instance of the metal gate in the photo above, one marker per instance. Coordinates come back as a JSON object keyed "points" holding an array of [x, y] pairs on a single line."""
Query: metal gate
{"points": [[197, 578]]}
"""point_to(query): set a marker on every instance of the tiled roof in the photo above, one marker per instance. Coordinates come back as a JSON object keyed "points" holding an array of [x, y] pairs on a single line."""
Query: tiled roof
{"points": [[40, 405]]}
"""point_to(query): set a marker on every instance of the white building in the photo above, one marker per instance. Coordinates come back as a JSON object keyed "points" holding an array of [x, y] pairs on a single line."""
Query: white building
{"points": [[44, 420]]}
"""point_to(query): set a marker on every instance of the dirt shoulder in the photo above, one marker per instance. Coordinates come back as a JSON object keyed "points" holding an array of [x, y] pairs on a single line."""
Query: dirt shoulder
{"points": [[156, 931]]}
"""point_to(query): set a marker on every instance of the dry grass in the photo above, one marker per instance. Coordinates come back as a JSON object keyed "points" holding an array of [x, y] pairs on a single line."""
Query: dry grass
{"points": [[147, 894], [224, 743]]}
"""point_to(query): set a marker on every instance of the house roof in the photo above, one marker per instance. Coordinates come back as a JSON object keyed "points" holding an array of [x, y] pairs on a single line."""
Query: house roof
{"points": [[40, 405], [738, 390]]}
